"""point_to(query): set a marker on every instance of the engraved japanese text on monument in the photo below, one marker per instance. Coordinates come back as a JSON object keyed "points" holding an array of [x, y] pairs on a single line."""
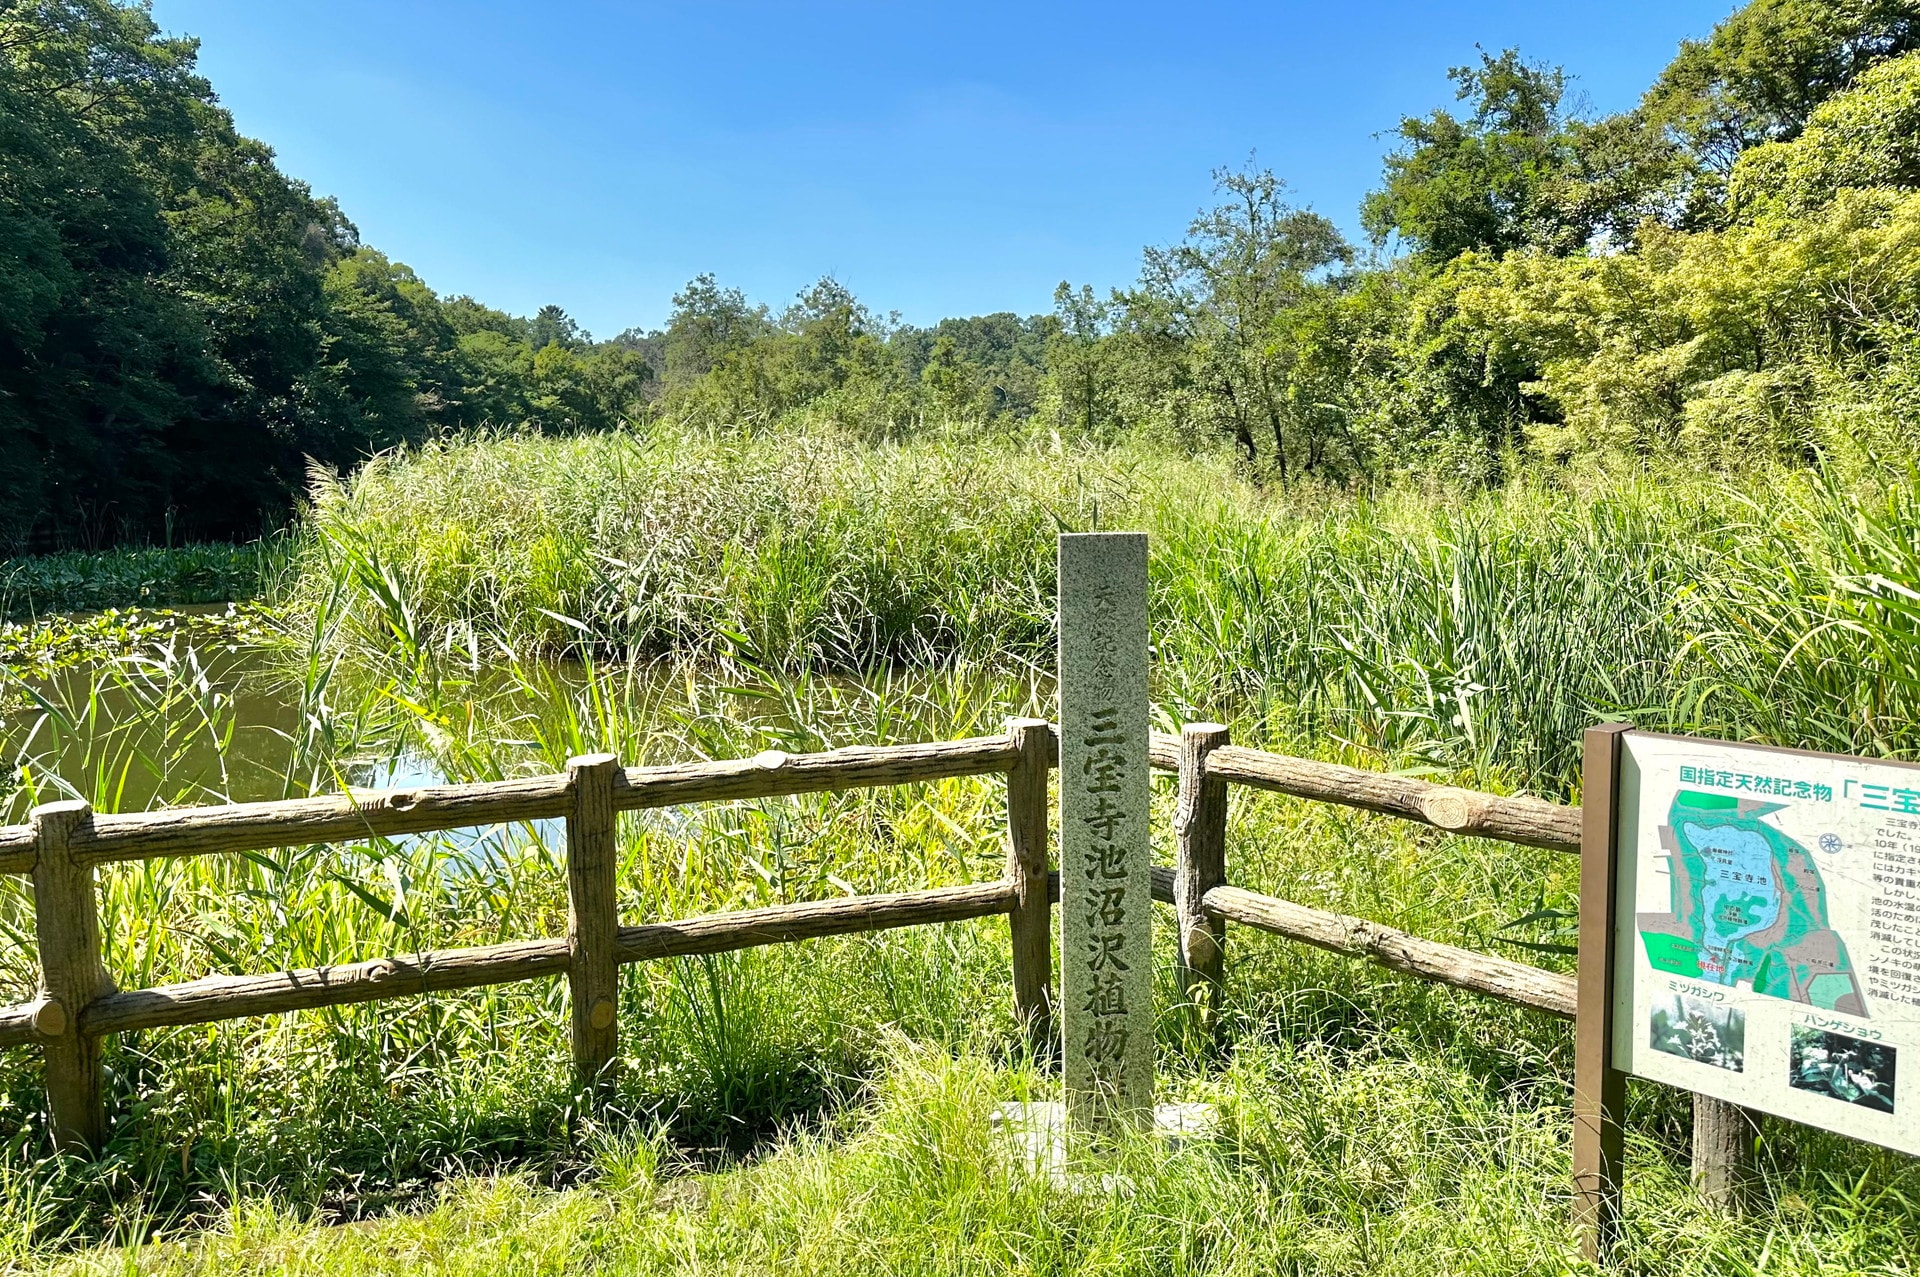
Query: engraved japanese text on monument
{"points": [[1106, 902]]}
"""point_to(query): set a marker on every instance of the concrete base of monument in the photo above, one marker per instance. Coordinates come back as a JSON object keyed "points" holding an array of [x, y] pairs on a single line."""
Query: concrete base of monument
{"points": [[1035, 1138]]}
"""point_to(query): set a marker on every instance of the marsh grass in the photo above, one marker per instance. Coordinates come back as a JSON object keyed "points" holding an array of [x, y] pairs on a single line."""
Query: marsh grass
{"points": [[1468, 632], [823, 1106]]}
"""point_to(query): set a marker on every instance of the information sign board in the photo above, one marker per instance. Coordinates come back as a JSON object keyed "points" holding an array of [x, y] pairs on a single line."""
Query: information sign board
{"points": [[1767, 942]]}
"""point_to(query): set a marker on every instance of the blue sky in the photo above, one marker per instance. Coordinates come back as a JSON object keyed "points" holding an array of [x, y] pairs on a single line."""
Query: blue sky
{"points": [[939, 160]]}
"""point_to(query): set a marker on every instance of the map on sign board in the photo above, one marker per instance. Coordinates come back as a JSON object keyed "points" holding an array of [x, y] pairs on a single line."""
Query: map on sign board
{"points": [[1769, 931]]}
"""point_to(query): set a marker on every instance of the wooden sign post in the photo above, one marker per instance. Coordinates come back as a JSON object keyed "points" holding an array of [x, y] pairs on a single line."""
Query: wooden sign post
{"points": [[1106, 902], [1599, 1089]]}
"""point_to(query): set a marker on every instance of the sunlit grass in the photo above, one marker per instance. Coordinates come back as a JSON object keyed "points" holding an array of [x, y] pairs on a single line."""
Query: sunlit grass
{"points": [[1474, 632], [730, 596], [1328, 1162]]}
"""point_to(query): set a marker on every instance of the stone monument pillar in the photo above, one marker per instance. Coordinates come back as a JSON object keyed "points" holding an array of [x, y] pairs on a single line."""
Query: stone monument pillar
{"points": [[1106, 901]]}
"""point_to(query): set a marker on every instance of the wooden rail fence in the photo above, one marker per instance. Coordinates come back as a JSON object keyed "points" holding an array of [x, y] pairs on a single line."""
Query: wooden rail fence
{"points": [[79, 1004]]}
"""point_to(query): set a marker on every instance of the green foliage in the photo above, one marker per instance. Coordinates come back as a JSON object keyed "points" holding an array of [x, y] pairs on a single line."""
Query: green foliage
{"points": [[1868, 136], [1332, 1163], [829, 1105], [186, 326], [1491, 182], [1477, 632], [1765, 70], [45, 648], [217, 572], [1466, 636], [794, 548], [1222, 304], [182, 326]]}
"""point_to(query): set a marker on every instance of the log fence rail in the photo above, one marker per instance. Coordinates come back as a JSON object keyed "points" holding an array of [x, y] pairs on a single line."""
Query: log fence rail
{"points": [[79, 1006]]}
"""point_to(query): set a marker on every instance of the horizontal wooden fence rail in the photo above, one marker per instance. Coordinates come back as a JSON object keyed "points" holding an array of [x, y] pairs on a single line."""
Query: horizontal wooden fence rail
{"points": [[233, 997], [72, 841], [197, 831], [79, 1005], [1502, 978], [1202, 756], [1533, 822]]}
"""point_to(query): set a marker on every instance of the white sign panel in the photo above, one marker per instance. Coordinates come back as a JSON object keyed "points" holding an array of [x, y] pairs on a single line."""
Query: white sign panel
{"points": [[1769, 931]]}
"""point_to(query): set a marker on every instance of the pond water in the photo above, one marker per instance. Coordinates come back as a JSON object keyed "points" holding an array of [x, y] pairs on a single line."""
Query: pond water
{"points": [[237, 724]]}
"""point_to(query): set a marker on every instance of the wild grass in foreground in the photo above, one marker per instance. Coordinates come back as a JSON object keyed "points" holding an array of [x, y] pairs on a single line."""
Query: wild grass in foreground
{"points": [[353, 1110], [1328, 1163]]}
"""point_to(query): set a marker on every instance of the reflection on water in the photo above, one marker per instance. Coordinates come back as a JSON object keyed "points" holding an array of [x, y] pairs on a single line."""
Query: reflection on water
{"points": [[484, 843], [242, 725]]}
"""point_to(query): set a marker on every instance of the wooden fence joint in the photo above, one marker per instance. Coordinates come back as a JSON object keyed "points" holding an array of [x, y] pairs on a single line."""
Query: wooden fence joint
{"points": [[1200, 833], [593, 923], [66, 920], [1031, 919]]}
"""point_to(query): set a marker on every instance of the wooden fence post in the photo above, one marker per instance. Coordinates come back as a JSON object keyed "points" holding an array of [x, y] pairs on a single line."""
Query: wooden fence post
{"points": [[592, 923], [1200, 827], [1032, 916], [1599, 1089], [1723, 1160], [66, 922]]}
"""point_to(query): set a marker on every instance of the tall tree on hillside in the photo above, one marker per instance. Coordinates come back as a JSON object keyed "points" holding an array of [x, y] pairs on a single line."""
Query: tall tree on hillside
{"points": [[553, 326], [1762, 72], [1226, 293], [1493, 180]]}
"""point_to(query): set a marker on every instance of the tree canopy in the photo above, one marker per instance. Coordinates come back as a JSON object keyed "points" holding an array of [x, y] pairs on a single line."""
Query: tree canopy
{"points": [[1726, 272], [182, 325]]}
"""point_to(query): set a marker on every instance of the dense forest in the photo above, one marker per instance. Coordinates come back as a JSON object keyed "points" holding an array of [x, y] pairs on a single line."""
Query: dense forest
{"points": [[1727, 274]]}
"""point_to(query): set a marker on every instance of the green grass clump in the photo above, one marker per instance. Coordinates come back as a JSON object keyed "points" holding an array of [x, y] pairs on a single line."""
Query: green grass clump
{"points": [[136, 577], [1327, 1163], [1466, 631], [794, 550]]}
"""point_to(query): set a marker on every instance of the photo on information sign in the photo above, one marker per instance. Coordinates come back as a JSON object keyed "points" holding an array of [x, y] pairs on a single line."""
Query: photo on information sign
{"points": [[1842, 1067], [1704, 1032]]}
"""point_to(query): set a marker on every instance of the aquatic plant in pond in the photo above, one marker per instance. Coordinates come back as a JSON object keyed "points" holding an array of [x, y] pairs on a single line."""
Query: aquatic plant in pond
{"points": [[44, 647], [137, 577]]}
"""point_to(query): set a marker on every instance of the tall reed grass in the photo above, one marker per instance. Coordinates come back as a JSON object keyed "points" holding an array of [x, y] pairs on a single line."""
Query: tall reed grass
{"points": [[1466, 632], [717, 597]]}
